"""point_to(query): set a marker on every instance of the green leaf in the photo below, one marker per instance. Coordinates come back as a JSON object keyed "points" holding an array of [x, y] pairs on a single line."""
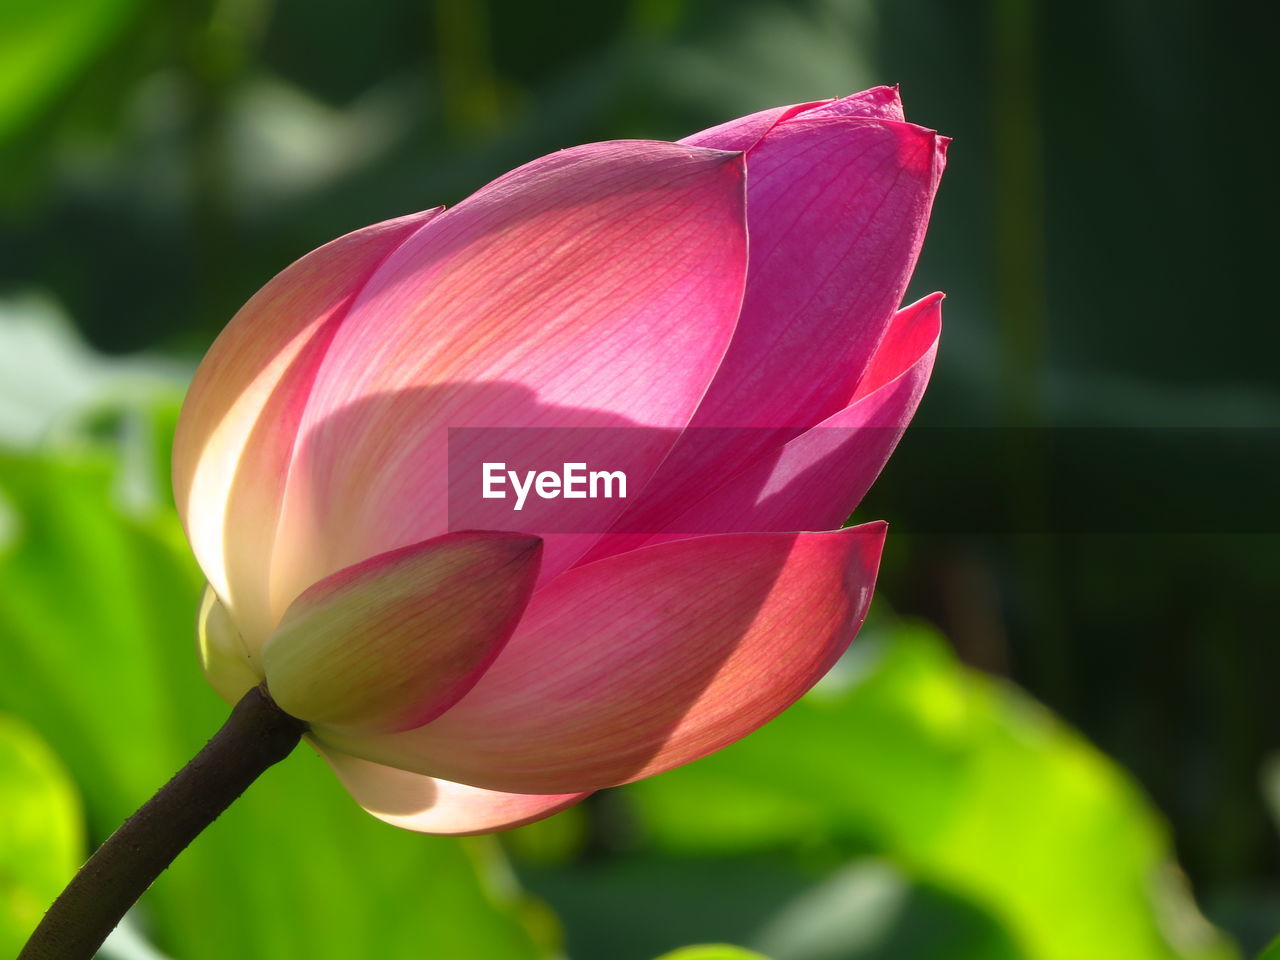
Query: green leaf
{"points": [[1272, 952], [713, 951], [97, 622], [41, 836], [44, 44], [871, 910], [966, 785]]}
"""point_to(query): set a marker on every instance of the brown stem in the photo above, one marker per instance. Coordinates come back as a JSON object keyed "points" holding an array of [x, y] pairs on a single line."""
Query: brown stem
{"points": [[255, 736]]}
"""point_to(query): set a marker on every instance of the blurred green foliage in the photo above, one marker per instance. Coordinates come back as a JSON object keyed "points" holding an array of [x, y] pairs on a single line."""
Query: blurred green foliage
{"points": [[41, 837], [43, 46], [974, 825]]}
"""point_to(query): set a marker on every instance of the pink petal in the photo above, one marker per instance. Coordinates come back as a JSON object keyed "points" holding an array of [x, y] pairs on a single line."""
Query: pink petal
{"points": [[594, 288], [236, 434], [745, 132], [815, 481], [881, 103], [837, 210], [393, 641], [430, 805], [630, 666]]}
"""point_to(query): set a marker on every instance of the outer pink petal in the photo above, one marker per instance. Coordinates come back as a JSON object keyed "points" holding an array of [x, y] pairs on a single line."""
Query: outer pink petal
{"points": [[881, 103], [431, 805], [236, 434], [815, 481], [594, 288], [391, 642], [630, 666], [745, 132], [837, 210]]}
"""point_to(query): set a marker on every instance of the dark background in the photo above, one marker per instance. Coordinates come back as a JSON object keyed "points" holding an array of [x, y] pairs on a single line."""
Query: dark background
{"points": [[1103, 234]]}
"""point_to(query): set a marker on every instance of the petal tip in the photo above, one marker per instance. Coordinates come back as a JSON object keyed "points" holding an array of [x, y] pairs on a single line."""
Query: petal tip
{"points": [[877, 529]]}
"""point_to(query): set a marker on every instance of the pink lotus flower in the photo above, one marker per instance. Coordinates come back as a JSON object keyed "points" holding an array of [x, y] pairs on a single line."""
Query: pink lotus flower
{"points": [[747, 277]]}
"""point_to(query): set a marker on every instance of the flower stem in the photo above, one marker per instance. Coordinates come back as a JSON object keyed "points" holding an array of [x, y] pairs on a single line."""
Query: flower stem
{"points": [[255, 736]]}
